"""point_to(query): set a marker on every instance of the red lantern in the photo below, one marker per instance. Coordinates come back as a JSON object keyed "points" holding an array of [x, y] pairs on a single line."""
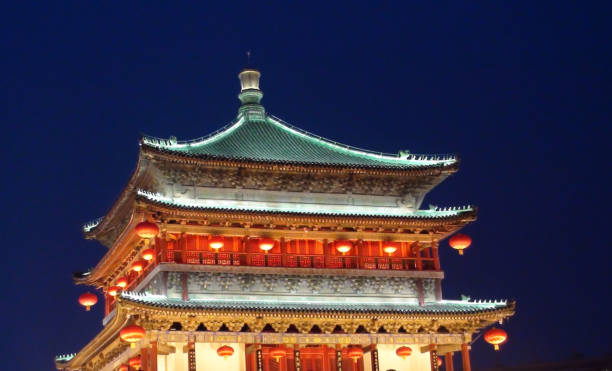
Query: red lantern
{"points": [[216, 242], [87, 300], [403, 352], [123, 368], [148, 254], [266, 244], [344, 246], [122, 282], [132, 334], [389, 248], [134, 362], [147, 230], [460, 242], [138, 266], [355, 353], [278, 353], [439, 361], [225, 351], [496, 336], [113, 290]]}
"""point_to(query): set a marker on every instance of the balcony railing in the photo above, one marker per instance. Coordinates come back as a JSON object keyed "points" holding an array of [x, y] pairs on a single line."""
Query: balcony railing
{"points": [[200, 257]]}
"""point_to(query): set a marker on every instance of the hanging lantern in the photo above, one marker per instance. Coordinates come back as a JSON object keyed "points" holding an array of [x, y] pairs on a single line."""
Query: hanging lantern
{"points": [[146, 230], [278, 353], [113, 290], [225, 351], [216, 242], [148, 254], [123, 368], [403, 352], [496, 336], [460, 242], [439, 362], [134, 362], [138, 266], [355, 353], [344, 246], [389, 248], [266, 244], [132, 334], [122, 282], [87, 300]]}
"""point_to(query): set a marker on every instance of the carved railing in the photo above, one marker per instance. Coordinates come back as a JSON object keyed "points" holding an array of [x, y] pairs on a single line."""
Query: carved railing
{"points": [[203, 257]]}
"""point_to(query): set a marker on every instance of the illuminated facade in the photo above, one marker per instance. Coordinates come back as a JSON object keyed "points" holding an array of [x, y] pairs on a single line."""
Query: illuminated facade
{"points": [[264, 247]]}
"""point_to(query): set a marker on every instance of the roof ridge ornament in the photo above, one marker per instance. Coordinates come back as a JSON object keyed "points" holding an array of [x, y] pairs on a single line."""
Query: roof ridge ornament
{"points": [[250, 95]]}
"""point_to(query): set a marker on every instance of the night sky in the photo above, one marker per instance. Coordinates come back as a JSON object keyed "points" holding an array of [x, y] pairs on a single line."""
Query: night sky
{"points": [[521, 90]]}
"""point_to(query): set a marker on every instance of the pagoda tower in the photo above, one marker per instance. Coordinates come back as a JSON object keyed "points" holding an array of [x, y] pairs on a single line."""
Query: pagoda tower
{"points": [[264, 247]]}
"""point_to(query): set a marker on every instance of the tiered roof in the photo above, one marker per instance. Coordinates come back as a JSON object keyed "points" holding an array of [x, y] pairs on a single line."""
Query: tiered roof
{"points": [[274, 141], [442, 307]]}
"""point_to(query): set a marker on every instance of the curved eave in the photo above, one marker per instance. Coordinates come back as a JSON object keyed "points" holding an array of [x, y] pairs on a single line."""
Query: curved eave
{"points": [[104, 338], [189, 309], [292, 217], [100, 225], [284, 166]]}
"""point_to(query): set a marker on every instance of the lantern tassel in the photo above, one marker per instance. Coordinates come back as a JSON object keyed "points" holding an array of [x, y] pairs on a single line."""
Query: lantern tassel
{"points": [[460, 252], [496, 346], [87, 308]]}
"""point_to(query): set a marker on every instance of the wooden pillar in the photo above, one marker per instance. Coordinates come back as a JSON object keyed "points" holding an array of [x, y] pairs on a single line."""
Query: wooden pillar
{"points": [[465, 357], [144, 360], [419, 262], [107, 299], [184, 286], [420, 291], [283, 249], [374, 357], [326, 358], [153, 356], [448, 359], [259, 358], [338, 357], [434, 253], [433, 357], [191, 356], [297, 362]]}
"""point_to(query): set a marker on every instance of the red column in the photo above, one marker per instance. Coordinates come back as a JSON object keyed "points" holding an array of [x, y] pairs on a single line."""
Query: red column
{"points": [[465, 357], [106, 304], [374, 357], [448, 359], [144, 360], [259, 358], [297, 362], [153, 356], [338, 357], [433, 357], [283, 249], [191, 356], [419, 262], [434, 251]]}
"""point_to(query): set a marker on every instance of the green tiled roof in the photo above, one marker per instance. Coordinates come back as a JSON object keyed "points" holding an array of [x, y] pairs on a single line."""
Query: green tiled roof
{"points": [[305, 209], [272, 140], [442, 307]]}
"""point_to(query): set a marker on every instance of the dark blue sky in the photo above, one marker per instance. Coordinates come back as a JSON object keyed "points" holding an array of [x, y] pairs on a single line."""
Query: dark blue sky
{"points": [[521, 90]]}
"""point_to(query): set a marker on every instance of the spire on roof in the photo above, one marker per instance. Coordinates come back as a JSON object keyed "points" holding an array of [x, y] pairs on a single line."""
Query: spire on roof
{"points": [[250, 94]]}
